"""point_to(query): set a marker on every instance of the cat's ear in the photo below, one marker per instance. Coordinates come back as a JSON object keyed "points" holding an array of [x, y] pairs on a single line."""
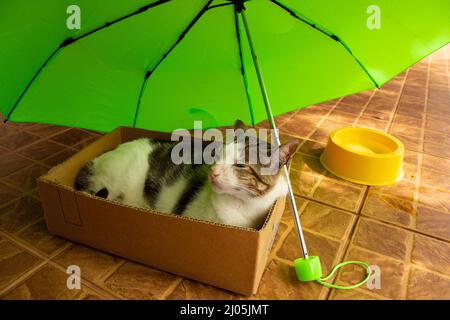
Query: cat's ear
{"points": [[287, 150], [238, 124]]}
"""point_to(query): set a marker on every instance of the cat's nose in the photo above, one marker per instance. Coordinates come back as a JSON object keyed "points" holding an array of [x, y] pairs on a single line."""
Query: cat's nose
{"points": [[214, 173]]}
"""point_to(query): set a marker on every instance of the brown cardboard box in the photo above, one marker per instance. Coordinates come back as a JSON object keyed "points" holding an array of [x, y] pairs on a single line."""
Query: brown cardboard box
{"points": [[224, 256]]}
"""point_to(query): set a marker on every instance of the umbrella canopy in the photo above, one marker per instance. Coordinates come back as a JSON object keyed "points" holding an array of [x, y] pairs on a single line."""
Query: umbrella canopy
{"points": [[162, 64]]}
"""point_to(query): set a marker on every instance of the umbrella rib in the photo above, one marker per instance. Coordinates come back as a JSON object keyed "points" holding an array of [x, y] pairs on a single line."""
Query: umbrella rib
{"points": [[238, 34], [163, 57], [328, 34], [69, 41]]}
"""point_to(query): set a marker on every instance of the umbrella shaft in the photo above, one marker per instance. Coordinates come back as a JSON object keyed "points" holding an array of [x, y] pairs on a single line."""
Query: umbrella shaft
{"points": [[277, 138]]}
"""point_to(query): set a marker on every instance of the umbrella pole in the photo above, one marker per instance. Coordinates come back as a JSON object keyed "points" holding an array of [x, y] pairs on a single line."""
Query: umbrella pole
{"points": [[271, 120]]}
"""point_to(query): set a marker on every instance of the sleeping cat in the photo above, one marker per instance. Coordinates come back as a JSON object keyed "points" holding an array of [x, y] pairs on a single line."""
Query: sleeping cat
{"points": [[141, 173]]}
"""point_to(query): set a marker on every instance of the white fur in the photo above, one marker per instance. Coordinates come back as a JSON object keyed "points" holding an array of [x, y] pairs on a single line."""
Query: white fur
{"points": [[123, 172]]}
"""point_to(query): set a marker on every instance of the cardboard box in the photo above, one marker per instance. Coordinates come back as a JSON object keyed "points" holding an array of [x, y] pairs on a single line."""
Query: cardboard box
{"points": [[228, 257]]}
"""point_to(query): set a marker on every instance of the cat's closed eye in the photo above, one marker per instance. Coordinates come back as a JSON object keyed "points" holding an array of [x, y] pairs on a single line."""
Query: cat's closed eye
{"points": [[240, 165]]}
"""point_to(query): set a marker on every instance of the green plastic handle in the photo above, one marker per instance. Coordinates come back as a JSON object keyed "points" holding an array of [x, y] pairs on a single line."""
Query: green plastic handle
{"points": [[323, 282], [310, 270]]}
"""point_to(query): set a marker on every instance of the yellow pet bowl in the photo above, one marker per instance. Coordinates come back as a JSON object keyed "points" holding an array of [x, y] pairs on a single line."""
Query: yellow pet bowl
{"points": [[364, 156]]}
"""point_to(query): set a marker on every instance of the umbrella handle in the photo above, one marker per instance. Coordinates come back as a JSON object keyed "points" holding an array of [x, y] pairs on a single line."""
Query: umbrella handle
{"points": [[307, 268]]}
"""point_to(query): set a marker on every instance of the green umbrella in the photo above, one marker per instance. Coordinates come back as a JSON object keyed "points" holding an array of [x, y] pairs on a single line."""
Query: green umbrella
{"points": [[163, 64]]}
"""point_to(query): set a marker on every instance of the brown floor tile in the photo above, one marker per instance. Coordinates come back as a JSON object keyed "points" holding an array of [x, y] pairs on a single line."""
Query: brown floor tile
{"points": [[94, 264], [437, 123], [12, 162], [436, 149], [436, 163], [8, 194], [431, 136], [402, 130], [17, 140], [372, 123], [410, 172], [322, 133], [414, 110], [326, 220], [14, 262], [389, 241], [435, 178], [401, 120], [344, 196], [193, 290], [342, 116], [433, 222], [413, 92], [411, 142], [6, 129], [280, 282], [358, 99], [25, 179], [312, 148], [316, 110], [300, 126], [38, 237], [425, 285], [392, 273], [349, 108], [59, 157], [431, 254], [303, 182], [41, 150], [135, 281], [326, 248], [305, 163], [388, 208], [71, 137], [404, 190], [381, 103], [354, 294], [435, 198], [20, 214], [49, 283], [20, 125], [44, 130]]}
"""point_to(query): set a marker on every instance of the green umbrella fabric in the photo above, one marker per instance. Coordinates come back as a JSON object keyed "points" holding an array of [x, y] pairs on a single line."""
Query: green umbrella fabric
{"points": [[161, 65]]}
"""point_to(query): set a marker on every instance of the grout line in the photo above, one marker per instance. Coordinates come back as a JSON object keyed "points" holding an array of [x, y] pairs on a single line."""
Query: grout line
{"points": [[327, 204], [20, 243], [22, 278], [112, 270], [394, 112], [404, 228], [280, 242], [171, 288], [319, 123], [350, 238], [361, 113], [88, 283]]}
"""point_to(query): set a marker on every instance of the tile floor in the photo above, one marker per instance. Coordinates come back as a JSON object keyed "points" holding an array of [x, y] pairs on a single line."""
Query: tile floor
{"points": [[404, 229]]}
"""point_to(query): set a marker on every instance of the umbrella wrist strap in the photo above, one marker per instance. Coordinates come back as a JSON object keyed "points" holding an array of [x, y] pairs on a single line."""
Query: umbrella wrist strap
{"points": [[365, 265]]}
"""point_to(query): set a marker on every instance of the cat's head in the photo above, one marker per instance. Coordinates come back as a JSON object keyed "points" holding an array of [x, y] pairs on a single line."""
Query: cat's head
{"points": [[250, 168]]}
